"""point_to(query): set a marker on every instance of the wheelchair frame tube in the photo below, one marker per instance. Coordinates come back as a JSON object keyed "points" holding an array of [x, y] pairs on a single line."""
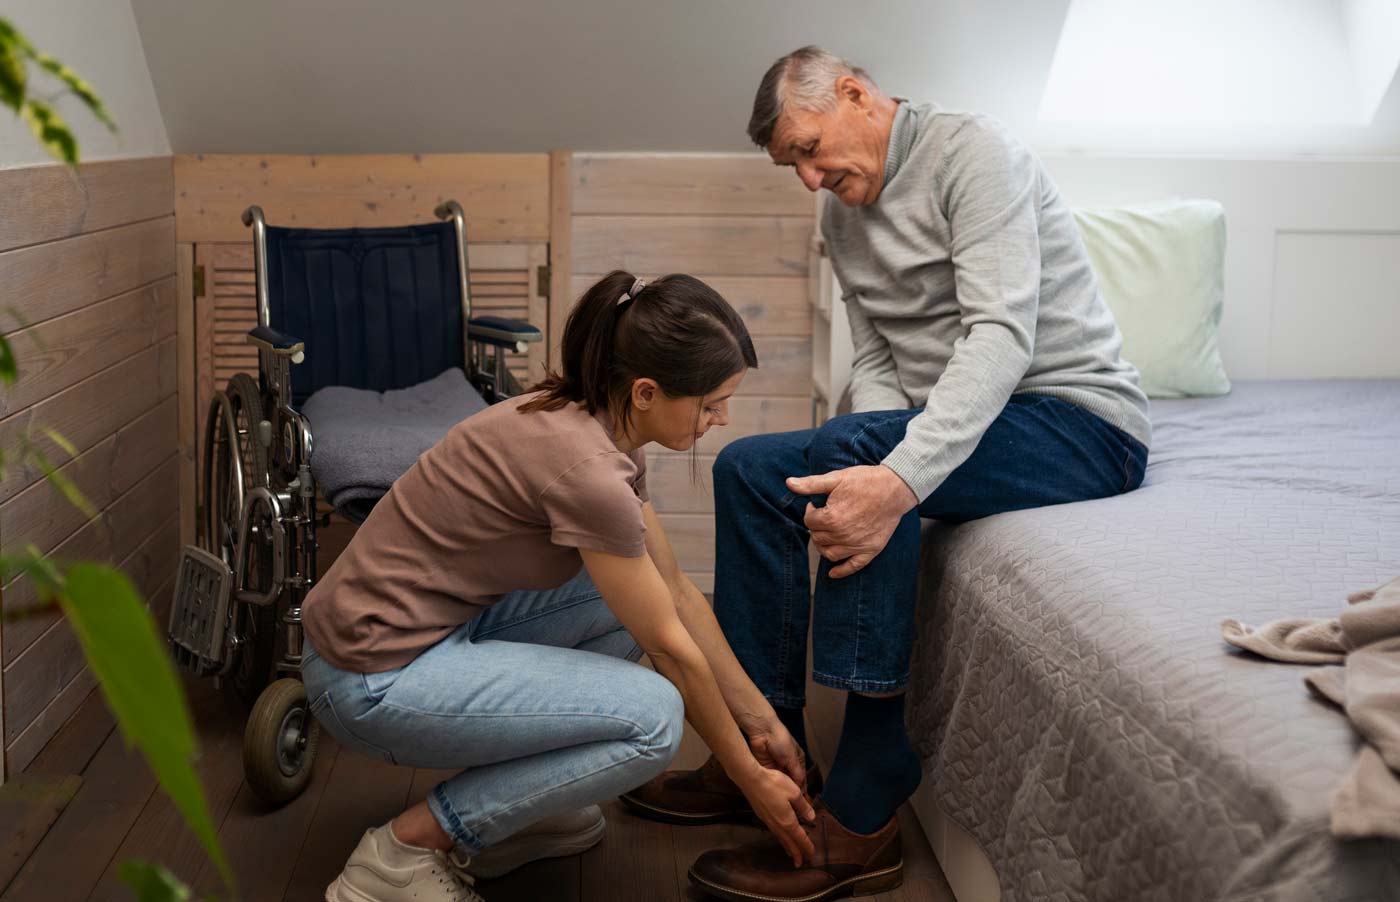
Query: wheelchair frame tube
{"points": [[452, 209], [253, 216]]}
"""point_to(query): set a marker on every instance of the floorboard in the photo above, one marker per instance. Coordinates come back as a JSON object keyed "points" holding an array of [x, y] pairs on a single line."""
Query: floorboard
{"points": [[159, 834], [73, 855], [29, 806], [360, 793], [263, 843]]}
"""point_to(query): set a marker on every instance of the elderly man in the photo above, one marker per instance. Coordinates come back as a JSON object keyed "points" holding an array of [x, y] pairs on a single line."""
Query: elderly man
{"points": [[987, 378]]}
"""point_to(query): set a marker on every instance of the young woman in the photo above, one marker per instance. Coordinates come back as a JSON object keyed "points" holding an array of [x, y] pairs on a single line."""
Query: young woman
{"points": [[489, 613]]}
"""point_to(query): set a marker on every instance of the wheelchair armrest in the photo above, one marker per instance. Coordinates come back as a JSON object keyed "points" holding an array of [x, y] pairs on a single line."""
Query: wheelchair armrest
{"points": [[270, 339], [502, 332]]}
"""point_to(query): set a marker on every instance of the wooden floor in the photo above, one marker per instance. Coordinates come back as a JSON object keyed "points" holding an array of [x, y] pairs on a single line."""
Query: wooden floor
{"points": [[293, 852]]}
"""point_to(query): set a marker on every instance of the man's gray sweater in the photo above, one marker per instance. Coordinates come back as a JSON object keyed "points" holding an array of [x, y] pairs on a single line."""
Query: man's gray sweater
{"points": [[967, 282]]}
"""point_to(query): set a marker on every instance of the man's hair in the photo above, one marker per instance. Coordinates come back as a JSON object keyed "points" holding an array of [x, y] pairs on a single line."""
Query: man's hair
{"points": [[805, 79]]}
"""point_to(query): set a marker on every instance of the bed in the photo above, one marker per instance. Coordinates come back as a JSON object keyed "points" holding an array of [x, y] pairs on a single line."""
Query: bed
{"points": [[1079, 715]]}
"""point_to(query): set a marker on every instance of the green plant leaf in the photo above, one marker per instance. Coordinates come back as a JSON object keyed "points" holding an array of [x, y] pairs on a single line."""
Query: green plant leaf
{"points": [[11, 35], [51, 131], [40, 570], [13, 76], [9, 370], [123, 648], [80, 88], [152, 882], [58, 439]]}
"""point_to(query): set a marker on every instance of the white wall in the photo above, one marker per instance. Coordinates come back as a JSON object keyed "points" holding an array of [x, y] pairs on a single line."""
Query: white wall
{"points": [[1312, 264], [98, 40]]}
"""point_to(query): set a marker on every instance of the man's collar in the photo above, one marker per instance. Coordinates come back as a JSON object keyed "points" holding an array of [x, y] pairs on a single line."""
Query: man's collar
{"points": [[902, 133]]}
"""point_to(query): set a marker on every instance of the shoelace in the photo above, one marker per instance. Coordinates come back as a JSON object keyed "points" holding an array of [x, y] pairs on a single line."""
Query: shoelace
{"points": [[453, 875]]}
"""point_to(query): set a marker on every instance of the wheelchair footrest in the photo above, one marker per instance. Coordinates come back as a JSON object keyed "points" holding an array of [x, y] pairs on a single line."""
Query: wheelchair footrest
{"points": [[199, 614]]}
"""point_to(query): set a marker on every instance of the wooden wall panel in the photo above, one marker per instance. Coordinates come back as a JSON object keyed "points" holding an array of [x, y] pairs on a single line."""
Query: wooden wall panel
{"points": [[45, 203], [722, 245], [742, 225], [680, 484], [66, 350], [506, 196], [147, 549], [89, 411], [769, 305], [666, 184], [93, 267], [87, 258]]}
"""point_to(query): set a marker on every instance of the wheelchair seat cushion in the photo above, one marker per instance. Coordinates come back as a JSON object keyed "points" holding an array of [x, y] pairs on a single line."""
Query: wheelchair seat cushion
{"points": [[362, 440]]}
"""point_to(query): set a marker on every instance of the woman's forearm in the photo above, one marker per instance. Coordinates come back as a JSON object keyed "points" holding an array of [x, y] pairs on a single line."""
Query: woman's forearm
{"points": [[681, 661], [746, 704]]}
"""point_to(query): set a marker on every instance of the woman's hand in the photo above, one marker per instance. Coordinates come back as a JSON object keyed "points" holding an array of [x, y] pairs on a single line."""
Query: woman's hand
{"points": [[774, 747], [778, 802]]}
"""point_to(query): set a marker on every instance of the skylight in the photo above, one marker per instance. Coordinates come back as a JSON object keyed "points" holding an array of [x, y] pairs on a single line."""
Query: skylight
{"points": [[1223, 62]]}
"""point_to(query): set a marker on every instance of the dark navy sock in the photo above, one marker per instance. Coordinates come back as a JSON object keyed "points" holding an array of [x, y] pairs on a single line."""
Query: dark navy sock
{"points": [[875, 770], [792, 719]]}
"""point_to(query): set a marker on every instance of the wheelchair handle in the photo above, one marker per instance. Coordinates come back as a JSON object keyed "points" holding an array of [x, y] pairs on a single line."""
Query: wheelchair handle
{"points": [[450, 209], [253, 216]]}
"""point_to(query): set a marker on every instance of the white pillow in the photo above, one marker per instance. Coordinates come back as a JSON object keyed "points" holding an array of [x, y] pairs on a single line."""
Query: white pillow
{"points": [[1161, 268]]}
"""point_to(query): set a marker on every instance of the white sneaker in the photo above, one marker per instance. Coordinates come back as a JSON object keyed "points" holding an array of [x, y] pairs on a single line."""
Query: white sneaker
{"points": [[554, 837], [384, 869]]}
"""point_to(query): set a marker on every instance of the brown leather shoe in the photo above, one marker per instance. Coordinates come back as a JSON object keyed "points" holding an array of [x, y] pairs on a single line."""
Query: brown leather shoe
{"points": [[702, 796], [844, 863]]}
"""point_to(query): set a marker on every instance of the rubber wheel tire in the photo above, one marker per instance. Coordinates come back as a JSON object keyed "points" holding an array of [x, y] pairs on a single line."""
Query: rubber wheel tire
{"points": [[279, 743]]}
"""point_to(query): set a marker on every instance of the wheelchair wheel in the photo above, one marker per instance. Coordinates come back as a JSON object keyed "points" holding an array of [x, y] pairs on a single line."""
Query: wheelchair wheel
{"points": [[236, 462], [279, 744]]}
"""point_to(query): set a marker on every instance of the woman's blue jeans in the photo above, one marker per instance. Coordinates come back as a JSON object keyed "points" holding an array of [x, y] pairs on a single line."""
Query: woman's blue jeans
{"points": [[538, 701], [1039, 451]]}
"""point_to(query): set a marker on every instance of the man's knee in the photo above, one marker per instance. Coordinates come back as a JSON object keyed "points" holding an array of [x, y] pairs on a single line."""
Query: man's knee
{"points": [[736, 459], [839, 444]]}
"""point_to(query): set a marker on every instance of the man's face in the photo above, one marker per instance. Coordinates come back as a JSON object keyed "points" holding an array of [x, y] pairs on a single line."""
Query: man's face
{"points": [[841, 150]]}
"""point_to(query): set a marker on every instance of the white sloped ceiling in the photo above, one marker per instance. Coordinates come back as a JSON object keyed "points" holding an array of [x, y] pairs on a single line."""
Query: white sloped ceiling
{"points": [[362, 76]]}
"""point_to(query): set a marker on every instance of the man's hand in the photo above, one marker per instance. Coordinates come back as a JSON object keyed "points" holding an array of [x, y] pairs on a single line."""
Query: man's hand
{"points": [[863, 507]]}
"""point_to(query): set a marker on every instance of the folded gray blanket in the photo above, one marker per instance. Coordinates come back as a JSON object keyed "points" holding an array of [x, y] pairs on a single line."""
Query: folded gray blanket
{"points": [[363, 440], [1362, 649]]}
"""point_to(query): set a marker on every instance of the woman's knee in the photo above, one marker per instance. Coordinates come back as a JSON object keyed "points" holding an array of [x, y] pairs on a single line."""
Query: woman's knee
{"points": [[660, 720]]}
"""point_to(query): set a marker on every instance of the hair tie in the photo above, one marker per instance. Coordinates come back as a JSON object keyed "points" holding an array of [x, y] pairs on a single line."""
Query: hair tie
{"points": [[627, 296]]}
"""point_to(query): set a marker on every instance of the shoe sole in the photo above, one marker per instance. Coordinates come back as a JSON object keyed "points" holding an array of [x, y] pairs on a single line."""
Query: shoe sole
{"points": [[862, 885], [339, 892], [538, 848], [686, 818]]}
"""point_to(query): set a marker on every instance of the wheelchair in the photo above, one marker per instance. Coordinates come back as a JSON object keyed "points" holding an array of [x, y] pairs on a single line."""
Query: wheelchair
{"points": [[237, 611]]}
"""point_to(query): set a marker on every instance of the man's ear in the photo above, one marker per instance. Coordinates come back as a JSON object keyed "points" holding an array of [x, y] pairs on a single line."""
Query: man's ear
{"points": [[852, 89], [644, 393]]}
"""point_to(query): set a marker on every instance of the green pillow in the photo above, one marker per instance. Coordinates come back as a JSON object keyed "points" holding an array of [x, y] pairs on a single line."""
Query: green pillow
{"points": [[1161, 268]]}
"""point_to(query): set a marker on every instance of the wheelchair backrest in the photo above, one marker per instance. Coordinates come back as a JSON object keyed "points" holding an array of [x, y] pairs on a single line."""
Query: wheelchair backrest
{"points": [[378, 308]]}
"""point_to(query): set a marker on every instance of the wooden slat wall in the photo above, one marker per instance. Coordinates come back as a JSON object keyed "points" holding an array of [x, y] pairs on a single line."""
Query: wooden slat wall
{"points": [[741, 224], [88, 261], [506, 196]]}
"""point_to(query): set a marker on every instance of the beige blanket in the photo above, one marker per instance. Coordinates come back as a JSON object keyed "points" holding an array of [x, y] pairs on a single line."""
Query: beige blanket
{"points": [[1361, 651]]}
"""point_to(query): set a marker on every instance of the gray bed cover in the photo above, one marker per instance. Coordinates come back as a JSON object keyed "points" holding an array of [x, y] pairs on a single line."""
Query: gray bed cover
{"points": [[1074, 704]]}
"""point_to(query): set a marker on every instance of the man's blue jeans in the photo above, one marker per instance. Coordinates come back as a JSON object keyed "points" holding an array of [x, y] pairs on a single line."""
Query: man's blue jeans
{"points": [[1039, 451]]}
